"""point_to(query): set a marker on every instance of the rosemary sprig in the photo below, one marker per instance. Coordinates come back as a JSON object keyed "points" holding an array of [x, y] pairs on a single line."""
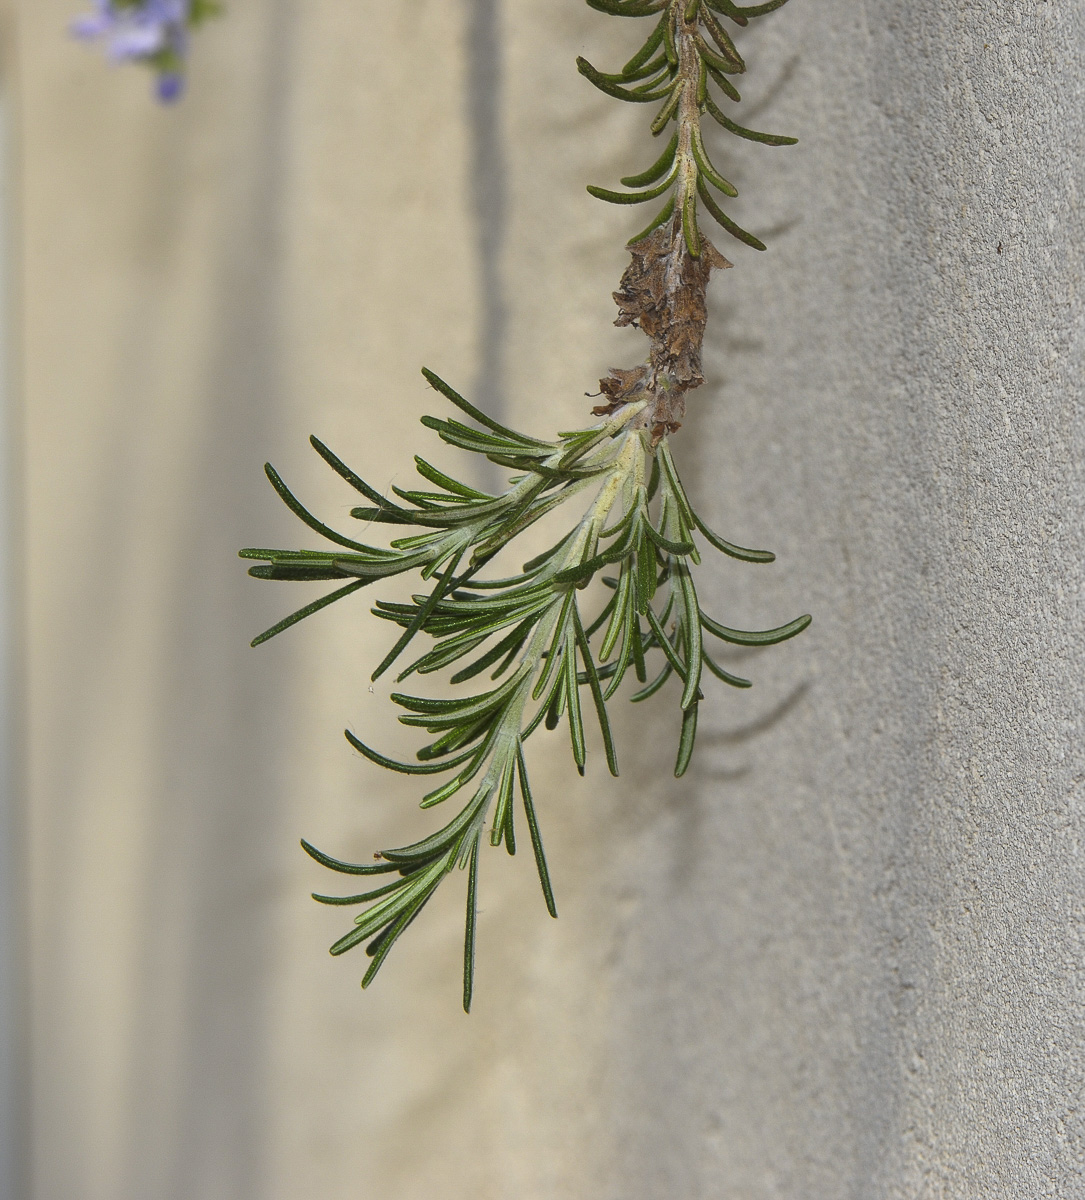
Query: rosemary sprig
{"points": [[547, 661], [527, 633], [688, 52]]}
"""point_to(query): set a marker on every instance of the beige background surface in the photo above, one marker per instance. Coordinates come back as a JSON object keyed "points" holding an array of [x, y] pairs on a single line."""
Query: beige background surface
{"points": [[843, 958]]}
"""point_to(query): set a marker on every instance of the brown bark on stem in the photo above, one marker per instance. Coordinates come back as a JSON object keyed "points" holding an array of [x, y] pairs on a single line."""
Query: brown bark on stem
{"points": [[663, 290]]}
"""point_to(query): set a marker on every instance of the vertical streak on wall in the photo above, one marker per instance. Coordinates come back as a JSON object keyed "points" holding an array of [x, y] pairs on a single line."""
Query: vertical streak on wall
{"points": [[489, 194]]}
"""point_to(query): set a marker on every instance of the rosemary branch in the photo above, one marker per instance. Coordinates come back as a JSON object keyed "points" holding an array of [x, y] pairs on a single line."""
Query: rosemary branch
{"points": [[549, 661]]}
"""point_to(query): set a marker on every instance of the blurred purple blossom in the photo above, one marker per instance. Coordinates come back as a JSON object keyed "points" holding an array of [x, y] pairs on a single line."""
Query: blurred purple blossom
{"points": [[151, 31], [169, 86]]}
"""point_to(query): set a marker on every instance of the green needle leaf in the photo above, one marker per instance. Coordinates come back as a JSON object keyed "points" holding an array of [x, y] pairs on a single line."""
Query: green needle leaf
{"points": [[661, 218], [355, 481], [616, 9], [689, 224], [665, 645], [658, 168], [477, 414], [767, 637], [378, 949], [721, 37], [572, 699], [756, 10], [596, 694], [404, 768], [654, 686], [536, 836], [686, 740], [725, 64], [664, 543], [655, 40], [469, 930], [430, 472], [638, 650], [722, 82], [668, 110], [766, 139], [423, 613], [707, 169], [345, 868], [503, 792], [734, 230], [631, 197], [755, 556], [691, 629], [307, 517], [613, 89], [726, 676], [307, 610], [361, 899]]}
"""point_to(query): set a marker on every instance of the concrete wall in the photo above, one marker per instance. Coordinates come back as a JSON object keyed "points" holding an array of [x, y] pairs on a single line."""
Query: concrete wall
{"points": [[843, 957]]}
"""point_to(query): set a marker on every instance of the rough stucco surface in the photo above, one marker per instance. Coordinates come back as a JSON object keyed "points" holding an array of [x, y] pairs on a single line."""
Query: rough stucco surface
{"points": [[843, 957]]}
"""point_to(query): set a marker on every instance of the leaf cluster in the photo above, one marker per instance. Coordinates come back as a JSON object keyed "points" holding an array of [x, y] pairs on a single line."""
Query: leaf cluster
{"points": [[688, 54], [546, 660]]}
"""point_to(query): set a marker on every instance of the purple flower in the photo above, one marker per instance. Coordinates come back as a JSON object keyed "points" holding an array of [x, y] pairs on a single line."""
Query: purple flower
{"points": [[170, 86], [151, 31]]}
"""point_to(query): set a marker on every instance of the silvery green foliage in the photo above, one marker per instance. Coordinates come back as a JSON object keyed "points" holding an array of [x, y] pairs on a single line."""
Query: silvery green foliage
{"points": [[614, 599], [687, 53]]}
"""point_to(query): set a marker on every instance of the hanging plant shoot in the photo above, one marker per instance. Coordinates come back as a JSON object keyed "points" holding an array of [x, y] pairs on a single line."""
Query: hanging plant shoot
{"points": [[528, 650]]}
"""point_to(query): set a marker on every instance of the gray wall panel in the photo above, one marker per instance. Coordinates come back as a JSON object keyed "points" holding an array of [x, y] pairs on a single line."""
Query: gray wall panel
{"points": [[843, 956]]}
